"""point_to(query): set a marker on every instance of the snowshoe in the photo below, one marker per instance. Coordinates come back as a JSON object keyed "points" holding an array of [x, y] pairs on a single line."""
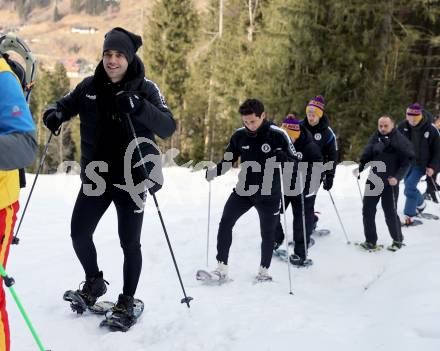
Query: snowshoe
{"points": [[124, 314], [210, 278], [396, 245], [426, 215], [263, 276], [78, 305], [321, 232], [281, 254], [410, 222], [300, 262], [217, 276], [370, 247]]}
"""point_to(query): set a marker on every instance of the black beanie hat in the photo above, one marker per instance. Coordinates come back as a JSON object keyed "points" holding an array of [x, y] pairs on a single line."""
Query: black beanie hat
{"points": [[123, 41]]}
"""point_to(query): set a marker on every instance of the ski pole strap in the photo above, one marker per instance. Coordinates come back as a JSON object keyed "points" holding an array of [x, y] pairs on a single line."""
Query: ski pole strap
{"points": [[9, 282]]}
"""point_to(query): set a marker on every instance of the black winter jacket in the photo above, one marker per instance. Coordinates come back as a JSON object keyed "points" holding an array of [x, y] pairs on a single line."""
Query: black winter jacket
{"points": [[429, 148], [325, 138], [105, 131], [308, 152], [393, 149], [265, 143]]}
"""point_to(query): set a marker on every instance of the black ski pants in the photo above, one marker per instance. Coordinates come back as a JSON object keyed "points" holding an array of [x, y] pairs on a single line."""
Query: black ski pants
{"points": [[388, 198], [298, 229], [87, 212], [268, 211]]}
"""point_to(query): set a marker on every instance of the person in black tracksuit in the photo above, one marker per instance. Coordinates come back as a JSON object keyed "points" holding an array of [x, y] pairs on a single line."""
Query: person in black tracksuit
{"points": [[318, 124], [308, 152], [425, 139], [389, 146], [106, 102], [256, 143], [432, 187]]}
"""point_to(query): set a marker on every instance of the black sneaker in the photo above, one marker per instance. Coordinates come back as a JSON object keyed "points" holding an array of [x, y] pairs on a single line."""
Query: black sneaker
{"points": [[93, 288], [124, 306]]}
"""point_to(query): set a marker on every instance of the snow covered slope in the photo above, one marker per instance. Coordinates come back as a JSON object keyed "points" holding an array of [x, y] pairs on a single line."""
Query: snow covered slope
{"points": [[349, 300]]}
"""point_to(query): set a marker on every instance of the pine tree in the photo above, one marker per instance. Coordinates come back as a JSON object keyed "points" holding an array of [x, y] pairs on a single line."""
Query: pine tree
{"points": [[169, 38]]}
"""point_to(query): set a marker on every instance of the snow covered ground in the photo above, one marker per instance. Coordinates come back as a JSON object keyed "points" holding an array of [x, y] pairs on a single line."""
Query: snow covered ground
{"points": [[349, 300]]}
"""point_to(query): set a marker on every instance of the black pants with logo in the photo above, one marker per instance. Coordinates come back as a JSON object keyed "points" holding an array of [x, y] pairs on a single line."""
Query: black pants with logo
{"points": [[298, 229], [268, 211], [87, 212], [389, 205]]}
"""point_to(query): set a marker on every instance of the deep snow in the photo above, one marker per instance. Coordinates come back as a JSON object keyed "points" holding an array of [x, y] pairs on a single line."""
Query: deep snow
{"points": [[331, 309]]}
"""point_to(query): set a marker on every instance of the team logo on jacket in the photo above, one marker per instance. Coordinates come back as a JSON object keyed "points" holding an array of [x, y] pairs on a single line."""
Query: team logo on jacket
{"points": [[91, 97], [318, 136], [16, 112], [299, 155], [426, 135], [266, 148]]}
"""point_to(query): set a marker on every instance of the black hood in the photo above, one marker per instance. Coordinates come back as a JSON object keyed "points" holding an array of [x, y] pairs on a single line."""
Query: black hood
{"points": [[305, 137]]}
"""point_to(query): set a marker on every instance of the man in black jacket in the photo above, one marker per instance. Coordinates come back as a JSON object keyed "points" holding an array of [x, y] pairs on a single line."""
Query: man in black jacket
{"points": [[112, 104], [259, 144], [318, 124], [432, 187], [425, 139], [388, 146], [309, 153]]}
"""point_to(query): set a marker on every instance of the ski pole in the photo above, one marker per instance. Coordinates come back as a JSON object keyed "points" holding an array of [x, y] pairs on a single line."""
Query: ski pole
{"points": [[15, 239], [285, 229], [9, 282], [303, 215], [359, 188], [398, 226], [186, 298], [209, 220], [339, 217]]}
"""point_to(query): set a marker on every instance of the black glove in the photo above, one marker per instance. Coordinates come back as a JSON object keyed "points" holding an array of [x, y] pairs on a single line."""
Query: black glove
{"points": [[128, 102], [52, 120], [153, 187], [327, 183]]}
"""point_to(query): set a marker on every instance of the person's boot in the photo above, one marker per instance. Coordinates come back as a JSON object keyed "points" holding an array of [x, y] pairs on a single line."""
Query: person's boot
{"points": [[298, 261], [396, 245], [93, 288], [221, 272], [263, 275], [124, 307], [421, 207]]}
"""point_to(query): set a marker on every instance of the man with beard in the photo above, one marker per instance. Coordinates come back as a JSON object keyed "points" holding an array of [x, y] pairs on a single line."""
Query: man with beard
{"points": [[112, 103], [389, 146], [432, 187]]}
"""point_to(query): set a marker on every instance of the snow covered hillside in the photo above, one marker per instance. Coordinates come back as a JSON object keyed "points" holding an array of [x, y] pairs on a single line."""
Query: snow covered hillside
{"points": [[349, 300]]}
